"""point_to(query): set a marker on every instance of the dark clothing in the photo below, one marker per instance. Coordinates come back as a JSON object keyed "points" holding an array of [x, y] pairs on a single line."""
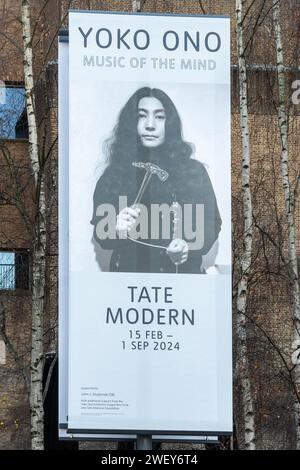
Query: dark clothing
{"points": [[188, 183]]}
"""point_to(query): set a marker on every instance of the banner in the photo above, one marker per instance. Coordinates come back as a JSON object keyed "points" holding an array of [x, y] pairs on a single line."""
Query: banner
{"points": [[149, 224]]}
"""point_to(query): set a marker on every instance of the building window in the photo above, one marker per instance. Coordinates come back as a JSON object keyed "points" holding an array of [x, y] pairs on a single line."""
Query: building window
{"points": [[13, 117], [14, 270]]}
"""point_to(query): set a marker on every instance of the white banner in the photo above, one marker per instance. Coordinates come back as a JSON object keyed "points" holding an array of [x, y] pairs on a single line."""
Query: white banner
{"points": [[149, 224]]}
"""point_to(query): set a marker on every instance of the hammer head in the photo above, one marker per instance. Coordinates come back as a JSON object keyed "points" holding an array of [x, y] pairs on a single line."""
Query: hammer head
{"points": [[152, 169]]}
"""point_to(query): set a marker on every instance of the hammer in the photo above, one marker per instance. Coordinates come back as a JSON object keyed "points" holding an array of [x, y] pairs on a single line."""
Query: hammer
{"points": [[151, 169]]}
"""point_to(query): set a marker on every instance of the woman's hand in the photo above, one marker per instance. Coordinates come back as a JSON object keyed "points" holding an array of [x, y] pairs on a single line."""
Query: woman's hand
{"points": [[178, 251], [126, 220]]}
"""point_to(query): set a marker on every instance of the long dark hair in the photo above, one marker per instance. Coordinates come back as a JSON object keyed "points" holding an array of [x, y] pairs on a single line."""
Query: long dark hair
{"points": [[124, 146]]}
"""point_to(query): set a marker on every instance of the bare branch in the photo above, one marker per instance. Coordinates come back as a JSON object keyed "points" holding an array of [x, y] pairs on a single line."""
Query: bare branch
{"points": [[254, 27], [278, 351], [12, 41], [10, 168], [39, 16], [18, 360], [49, 151], [54, 38], [247, 11], [259, 21], [267, 235], [201, 7]]}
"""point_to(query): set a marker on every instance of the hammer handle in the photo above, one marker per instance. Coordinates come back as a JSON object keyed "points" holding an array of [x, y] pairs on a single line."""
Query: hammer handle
{"points": [[143, 187]]}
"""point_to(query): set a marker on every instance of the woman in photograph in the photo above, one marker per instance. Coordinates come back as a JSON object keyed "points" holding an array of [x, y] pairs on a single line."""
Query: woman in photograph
{"points": [[150, 164]]}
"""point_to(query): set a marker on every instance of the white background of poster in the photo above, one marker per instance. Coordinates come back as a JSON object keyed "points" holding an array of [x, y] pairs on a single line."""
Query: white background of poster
{"points": [[157, 396]]}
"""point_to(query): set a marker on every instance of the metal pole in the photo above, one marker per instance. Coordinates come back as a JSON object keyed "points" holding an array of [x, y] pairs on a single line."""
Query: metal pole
{"points": [[144, 442]]}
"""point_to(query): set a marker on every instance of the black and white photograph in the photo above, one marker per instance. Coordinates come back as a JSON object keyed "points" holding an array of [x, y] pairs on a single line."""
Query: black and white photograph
{"points": [[171, 217]]}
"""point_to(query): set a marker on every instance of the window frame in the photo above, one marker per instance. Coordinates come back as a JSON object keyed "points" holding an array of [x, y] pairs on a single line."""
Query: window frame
{"points": [[13, 84], [22, 270]]}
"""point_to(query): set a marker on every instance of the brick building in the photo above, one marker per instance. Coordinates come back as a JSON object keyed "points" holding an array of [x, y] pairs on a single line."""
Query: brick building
{"points": [[269, 309]]}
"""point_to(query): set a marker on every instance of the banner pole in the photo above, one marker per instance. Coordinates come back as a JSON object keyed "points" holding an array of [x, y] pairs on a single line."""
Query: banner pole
{"points": [[144, 442]]}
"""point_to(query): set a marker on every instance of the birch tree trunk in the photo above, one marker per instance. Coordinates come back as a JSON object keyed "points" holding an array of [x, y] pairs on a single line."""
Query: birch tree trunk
{"points": [[136, 5], [39, 244], [242, 353], [290, 213]]}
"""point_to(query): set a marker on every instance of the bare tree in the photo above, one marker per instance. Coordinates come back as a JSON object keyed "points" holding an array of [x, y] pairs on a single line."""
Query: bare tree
{"points": [[245, 260], [39, 243], [289, 199]]}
